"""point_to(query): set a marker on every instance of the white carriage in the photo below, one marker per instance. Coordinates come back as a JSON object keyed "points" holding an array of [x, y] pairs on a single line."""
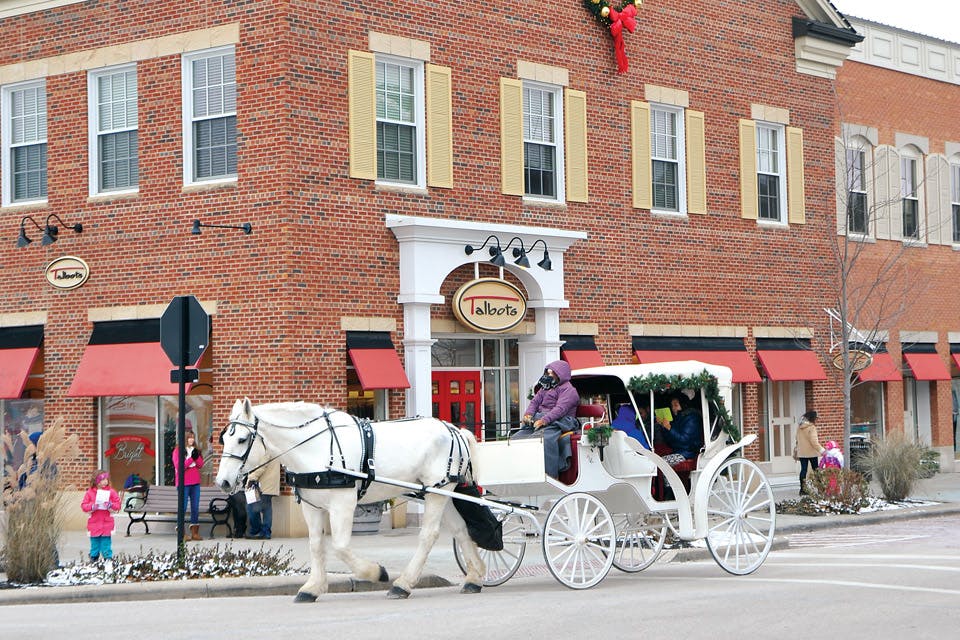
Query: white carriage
{"points": [[612, 511]]}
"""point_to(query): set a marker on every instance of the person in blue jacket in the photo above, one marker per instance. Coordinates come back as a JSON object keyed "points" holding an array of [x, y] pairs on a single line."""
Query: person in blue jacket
{"points": [[684, 433], [627, 422]]}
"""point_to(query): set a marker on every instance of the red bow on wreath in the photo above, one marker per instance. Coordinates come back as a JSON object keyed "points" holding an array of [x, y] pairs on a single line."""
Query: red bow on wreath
{"points": [[620, 20]]}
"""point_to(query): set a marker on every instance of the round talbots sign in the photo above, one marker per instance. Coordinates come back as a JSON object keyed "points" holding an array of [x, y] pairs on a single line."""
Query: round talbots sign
{"points": [[859, 360], [490, 305], [67, 272]]}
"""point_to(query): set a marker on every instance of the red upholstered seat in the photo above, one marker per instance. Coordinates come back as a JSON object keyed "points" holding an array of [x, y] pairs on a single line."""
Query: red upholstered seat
{"points": [[570, 475]]}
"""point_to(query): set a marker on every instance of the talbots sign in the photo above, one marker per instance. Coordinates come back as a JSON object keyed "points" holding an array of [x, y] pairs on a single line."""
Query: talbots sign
{"points": [[490, 305], [67, 272]]}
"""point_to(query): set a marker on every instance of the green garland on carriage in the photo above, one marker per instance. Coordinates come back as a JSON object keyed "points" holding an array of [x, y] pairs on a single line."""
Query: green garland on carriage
{"points": [[705, 381]]}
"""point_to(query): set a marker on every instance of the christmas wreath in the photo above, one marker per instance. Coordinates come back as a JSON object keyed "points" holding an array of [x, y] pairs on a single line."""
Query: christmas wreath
{"points": [[616, 20], [705, 381]]}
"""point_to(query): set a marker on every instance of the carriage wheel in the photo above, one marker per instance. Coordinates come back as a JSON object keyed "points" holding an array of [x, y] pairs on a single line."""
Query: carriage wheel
{"points": [[501, 565], [579, 541], [741, 517], [640, 538]]}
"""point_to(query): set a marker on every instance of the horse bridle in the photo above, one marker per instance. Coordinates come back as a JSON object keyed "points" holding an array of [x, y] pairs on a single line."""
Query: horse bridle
{"points": [[232, 426]]}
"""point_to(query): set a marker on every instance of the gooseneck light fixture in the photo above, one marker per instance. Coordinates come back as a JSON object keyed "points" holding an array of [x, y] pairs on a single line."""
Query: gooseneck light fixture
{"points": [[246, 227], [22, 239], [520, 252], [52, 231]]}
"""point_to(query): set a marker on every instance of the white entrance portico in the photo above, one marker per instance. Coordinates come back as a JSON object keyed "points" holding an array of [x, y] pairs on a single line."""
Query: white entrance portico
{"points": [[431, 248]]}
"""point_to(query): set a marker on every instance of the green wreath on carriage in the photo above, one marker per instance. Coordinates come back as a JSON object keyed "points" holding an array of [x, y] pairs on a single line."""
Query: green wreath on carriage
{"points": [[704, 380]]}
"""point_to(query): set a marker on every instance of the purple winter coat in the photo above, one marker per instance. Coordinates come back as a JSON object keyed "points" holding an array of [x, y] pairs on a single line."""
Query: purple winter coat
{"points": [[558, 402]]}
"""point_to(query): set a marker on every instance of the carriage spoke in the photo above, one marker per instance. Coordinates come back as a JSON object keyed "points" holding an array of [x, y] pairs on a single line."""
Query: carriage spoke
{"points": [[741, 516], [579, 541]]}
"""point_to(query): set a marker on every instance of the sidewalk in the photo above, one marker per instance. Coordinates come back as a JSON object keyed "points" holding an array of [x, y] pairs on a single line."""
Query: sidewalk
{"points": [[393, 549]]}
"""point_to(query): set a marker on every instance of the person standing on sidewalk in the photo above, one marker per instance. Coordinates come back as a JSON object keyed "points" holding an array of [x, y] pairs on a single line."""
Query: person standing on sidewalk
{"points": [[808, 448], [100, 501], [192, 463], [260, 513]]}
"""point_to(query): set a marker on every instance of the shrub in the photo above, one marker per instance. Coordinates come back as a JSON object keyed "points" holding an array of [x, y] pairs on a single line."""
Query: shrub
{"points": [[838, 490], [895, 464], [929, 463], [34, 505]]}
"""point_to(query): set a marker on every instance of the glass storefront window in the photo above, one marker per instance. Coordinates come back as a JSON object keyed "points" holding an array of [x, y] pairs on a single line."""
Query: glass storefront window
{"points": [[18, 417], [866, 410], [199, 420], [454, 352], [364, 403]]}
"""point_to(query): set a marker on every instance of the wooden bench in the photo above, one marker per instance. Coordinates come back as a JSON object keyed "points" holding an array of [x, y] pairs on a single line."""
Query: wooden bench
{"points": [[159, 504]]}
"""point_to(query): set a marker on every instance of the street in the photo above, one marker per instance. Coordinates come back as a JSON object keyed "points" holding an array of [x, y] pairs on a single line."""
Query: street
{"points": [[877, 581]]}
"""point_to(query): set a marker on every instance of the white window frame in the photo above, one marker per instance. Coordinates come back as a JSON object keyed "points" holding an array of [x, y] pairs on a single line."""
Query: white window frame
{"points": [[955, 200], [6, 132], [910, 179], [556, 94], [419, 120], [779, 132], [94, 132], [854, 178], [680, 159], [186, 75]]}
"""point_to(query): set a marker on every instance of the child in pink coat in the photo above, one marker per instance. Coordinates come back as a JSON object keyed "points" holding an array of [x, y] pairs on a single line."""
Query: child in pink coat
{"points": [[99, 501]]}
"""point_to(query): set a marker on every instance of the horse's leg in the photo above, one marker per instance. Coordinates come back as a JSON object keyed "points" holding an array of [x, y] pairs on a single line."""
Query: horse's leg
{"points": [[433, 505], [316, 584], [476, 570], [341, 530]]}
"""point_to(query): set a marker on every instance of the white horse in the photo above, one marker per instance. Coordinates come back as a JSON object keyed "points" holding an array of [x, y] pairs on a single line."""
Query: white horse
{"points": [[308, 439]]}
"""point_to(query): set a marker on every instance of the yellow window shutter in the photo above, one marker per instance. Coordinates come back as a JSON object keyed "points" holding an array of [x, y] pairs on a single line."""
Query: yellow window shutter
{"points": [[696, 162], [640, 156], [511, 136], [796, 208], [575, 133], [439, 127], [748, 169], [362, 118]]}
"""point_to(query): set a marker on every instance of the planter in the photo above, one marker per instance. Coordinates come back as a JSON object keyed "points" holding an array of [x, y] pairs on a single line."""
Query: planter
{"points": [[366, 518]]}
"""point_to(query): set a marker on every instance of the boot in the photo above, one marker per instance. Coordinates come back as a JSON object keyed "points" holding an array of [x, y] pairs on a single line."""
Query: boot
{"points": [[195, 532]]}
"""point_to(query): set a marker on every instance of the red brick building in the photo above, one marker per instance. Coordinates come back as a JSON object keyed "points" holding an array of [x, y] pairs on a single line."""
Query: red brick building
{"points": [[684, 206], [898, 158]]}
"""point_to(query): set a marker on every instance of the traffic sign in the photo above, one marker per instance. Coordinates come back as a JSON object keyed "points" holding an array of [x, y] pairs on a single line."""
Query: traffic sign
{"points": [[184, 331]]}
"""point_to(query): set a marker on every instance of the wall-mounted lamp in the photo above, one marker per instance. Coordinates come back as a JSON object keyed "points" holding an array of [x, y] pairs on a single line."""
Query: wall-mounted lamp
{"points": [[52, 231], [246, 227], [22, 239], [520, 253]]}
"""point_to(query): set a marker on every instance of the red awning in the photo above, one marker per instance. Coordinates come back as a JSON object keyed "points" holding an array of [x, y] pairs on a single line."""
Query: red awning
{"points": [[379, 369], [881, 369], [15, 365], [927, 366], [127, 369], [791, 364], [738, 361], [585, 359], [956, 358]]}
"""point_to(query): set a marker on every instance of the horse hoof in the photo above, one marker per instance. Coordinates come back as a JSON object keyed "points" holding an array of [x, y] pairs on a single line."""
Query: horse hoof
{"points": [[384, 576], [303, 596], [396, 593], [469, 587]]}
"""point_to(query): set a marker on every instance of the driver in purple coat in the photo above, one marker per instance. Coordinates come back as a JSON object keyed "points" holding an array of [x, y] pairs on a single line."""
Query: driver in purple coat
{"points": [[552, 412]]}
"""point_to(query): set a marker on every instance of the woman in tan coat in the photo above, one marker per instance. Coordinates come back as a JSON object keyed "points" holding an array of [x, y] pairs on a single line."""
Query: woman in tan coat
{"points": [[260, 513], [808, 448]]}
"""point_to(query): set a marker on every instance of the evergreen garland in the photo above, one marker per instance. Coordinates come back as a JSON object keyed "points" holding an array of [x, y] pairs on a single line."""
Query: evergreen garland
{"points": [[596, 7], [705, 381]]}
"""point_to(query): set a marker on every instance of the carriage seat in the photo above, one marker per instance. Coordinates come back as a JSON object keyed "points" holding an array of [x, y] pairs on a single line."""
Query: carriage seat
{"points": [[622, 460]]}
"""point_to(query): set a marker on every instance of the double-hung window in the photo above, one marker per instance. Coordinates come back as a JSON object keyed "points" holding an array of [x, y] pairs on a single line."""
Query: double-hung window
{"points": [[210, 116], [911, 200], [667, 158], [955, 200], [771, 173], [542, 142], [400, 116], [113, 130], [856, 192], [25, 143]]}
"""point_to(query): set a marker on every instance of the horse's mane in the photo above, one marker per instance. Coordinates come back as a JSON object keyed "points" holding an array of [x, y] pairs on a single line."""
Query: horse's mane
{"points": [[291, 414]]}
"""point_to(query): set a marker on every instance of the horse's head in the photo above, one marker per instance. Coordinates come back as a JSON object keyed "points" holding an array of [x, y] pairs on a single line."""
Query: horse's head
{"points": [[239, 453]]}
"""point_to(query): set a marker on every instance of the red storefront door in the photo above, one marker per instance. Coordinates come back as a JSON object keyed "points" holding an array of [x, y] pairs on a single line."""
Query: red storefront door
{"points": [[456, 398]]}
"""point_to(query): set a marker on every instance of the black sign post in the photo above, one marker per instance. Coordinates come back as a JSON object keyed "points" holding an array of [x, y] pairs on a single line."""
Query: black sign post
{"points": [[184, 335]]}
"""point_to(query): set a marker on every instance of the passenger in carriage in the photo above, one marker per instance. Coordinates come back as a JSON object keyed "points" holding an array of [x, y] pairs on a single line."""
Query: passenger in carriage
{"points": [[628, 422], [552, 412], [684, 433]]}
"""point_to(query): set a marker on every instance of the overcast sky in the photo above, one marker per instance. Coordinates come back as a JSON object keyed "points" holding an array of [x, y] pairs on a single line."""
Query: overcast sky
{"points": [[937, 18]]}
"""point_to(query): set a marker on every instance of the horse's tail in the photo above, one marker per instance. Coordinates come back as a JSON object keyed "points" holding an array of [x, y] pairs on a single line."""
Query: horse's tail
{"points": [[472, 453]]}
